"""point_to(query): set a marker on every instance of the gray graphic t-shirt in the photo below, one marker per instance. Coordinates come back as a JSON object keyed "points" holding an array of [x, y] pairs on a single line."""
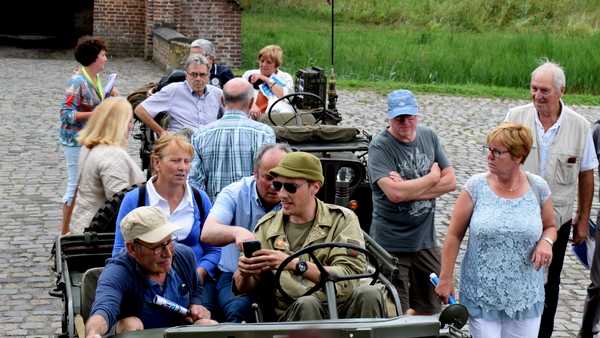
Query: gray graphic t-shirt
{"points": [[404, 226]]}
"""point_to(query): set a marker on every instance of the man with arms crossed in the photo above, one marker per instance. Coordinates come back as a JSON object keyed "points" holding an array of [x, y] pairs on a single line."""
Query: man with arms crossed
{"points": [[231, 221], [409, 170], [563, 152]]}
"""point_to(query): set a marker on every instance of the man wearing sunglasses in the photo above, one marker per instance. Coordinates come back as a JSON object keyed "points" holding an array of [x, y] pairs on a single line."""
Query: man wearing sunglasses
{"points": [[192, 103], [409, 170], [231, 221], [152, 265], [304, 220]]}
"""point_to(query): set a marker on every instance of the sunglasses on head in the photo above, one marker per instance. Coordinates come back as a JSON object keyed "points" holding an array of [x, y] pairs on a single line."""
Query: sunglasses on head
{"points": [[289, 187]]}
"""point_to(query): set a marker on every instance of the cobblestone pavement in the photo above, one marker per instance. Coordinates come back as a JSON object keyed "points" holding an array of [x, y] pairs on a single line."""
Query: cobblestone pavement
{"points": [[33, 178]]}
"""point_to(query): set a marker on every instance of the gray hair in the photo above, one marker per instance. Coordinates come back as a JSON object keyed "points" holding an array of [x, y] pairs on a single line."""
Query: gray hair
{"points": [[242, 97], [196, 59], [558, 73], [266, 147], [207, 47]]}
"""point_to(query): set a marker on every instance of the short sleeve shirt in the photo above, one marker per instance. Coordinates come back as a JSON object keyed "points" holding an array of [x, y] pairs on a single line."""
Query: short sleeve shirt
{"points": [[185, 107], [406, 226]]}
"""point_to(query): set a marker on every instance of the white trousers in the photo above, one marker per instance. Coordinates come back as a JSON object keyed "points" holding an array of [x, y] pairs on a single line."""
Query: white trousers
{"points": [[483, 328]]}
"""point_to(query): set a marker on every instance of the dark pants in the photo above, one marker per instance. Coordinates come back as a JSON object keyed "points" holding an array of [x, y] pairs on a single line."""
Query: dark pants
{"points": [[552, 287], [366, 301], [591, 309], [222, 304]]}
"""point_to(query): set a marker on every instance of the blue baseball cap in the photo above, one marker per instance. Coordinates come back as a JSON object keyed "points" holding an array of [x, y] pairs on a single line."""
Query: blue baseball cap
{"points": [[402, 102]]}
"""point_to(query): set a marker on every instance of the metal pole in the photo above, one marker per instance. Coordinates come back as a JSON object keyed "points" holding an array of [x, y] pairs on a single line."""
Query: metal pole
{"points": [[332, 34]]}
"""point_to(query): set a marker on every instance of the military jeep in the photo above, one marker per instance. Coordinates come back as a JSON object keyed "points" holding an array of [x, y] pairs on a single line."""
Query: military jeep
{"points": [[311, 127]]}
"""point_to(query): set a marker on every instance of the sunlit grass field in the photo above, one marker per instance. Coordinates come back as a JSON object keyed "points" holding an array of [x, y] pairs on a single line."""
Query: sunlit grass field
{"points": [[429, 51]]}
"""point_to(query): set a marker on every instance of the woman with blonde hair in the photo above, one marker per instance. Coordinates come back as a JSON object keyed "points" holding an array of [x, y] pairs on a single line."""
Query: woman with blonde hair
{"points": [[269, 82], [183, 205], [511, 226], [105, 167]]}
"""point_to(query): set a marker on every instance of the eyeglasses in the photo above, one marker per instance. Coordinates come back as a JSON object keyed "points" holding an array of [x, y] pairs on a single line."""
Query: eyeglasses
{"points": [[399, 118], [495, 152], [157, 250], [289, 187], [195, 75]]}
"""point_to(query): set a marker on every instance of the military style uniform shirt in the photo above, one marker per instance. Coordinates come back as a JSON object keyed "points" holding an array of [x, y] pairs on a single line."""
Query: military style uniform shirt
{"points": [[332, 224]]}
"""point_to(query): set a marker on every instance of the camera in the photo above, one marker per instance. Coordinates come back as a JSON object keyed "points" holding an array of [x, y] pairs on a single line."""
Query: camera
{"points": [[255, 84]]}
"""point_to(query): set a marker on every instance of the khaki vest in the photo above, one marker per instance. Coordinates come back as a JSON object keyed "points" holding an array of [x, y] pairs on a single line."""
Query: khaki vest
{"points": [[564, 156]]}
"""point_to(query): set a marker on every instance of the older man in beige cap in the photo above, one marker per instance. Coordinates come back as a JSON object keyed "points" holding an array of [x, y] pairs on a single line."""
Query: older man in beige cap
{"points": [[304, 220], [153, 265]]}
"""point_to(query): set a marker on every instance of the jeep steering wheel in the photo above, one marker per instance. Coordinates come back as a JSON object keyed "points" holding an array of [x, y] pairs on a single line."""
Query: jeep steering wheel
{"points": [[326, 275], [298, 114]]}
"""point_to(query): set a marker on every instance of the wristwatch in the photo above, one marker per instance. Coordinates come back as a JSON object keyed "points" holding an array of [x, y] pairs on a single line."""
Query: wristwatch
{"points": [[271, 83], [301, 267], [551, 242]]}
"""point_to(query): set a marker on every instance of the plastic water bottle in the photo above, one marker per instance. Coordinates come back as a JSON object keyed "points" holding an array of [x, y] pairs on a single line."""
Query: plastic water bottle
{"points": [[435, 280], [167, 304]]}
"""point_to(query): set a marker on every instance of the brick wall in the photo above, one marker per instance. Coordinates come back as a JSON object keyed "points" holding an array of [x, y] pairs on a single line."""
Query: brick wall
{"points": [[127, 25], [161, 52], [121, 23], [220, 22]]}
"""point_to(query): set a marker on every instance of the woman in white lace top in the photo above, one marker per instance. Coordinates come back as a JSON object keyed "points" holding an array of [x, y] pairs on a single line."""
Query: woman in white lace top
{"points": [[511, 220]]}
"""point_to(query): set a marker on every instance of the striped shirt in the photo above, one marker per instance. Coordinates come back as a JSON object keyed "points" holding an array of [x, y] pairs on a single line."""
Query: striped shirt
{"points": [[224, 151]]}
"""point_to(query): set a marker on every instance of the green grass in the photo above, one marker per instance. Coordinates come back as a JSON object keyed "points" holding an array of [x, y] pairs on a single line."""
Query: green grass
{"points": [[386, 87], [415, 55], [435, 52], [550, 16]]}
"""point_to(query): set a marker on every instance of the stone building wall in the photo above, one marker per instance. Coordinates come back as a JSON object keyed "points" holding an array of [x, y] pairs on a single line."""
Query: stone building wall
{"points": [[128, 25]]}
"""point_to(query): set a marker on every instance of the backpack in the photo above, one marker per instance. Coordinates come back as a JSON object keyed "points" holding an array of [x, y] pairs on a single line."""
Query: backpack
{"points": [[197, 198]]}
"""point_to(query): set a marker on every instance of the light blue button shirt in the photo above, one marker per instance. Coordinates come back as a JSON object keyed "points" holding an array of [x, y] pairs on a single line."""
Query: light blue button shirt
{"points": [[185, 107], [238, 204]]}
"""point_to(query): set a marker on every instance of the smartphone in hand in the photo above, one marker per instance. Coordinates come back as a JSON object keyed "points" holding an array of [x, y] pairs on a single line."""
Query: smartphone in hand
{"points": [[250, 247]]}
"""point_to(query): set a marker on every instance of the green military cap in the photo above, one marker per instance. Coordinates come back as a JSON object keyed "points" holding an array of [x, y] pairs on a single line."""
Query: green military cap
{"points": [[299, 165]]}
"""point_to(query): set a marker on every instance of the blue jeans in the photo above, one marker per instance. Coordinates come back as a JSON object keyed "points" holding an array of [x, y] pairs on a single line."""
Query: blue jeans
{"points": [[222, 304], [72, 156]]}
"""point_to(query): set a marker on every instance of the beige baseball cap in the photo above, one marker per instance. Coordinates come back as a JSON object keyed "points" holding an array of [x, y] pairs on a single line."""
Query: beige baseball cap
{"points": [[148, 224]]}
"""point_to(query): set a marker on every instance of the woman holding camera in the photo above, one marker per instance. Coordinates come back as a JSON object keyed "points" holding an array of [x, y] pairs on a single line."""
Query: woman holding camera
{"points": [[269, 82]]}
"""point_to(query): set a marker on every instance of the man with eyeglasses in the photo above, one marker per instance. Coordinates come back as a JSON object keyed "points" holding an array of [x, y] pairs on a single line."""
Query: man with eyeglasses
{"points": [[191, 104], [409, 169], [219, 75], [304, 220], [224, 150], [152, 265], [564, 155], [231, 221]]}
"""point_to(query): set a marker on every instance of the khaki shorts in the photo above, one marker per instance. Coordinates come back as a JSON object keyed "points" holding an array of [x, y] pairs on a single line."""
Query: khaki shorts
{"points": [[412, 282]]}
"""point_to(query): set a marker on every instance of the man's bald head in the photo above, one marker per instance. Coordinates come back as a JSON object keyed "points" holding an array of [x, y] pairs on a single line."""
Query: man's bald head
{"points": [[238, 94]]}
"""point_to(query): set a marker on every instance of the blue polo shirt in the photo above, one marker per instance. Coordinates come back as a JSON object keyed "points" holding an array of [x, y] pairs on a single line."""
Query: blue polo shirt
{"points": [[154, 316]]}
